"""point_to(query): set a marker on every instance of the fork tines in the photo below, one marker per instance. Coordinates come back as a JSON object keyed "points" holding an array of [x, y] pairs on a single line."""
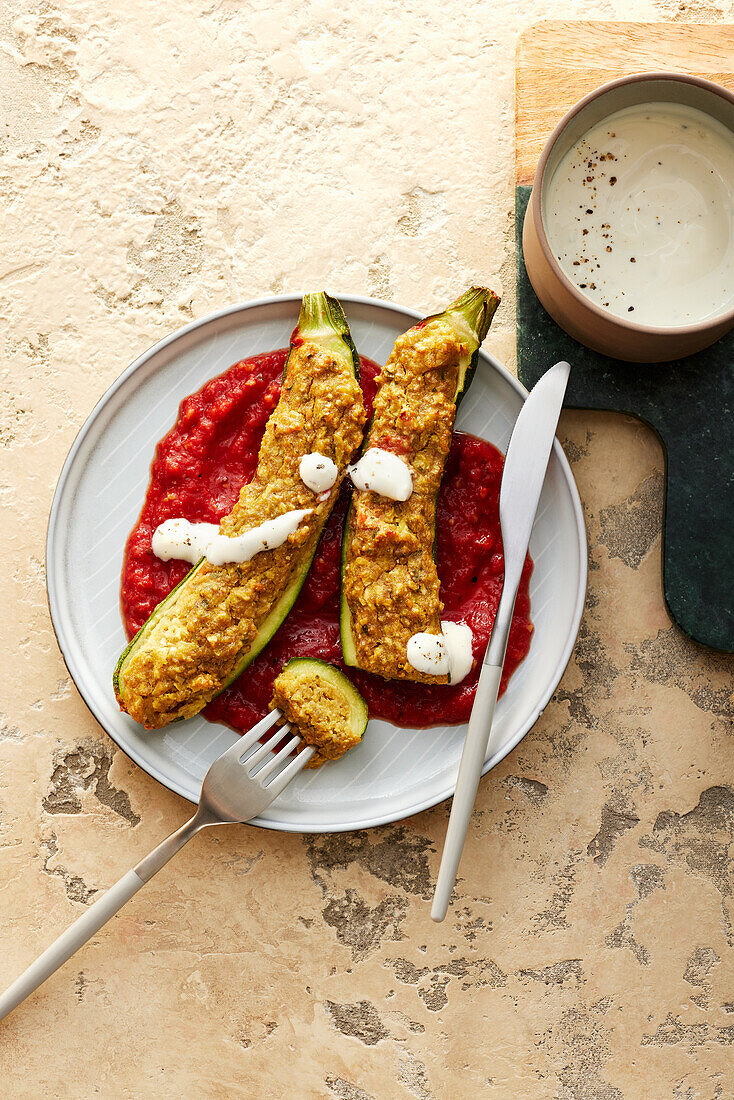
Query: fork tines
{"points": [[254, 752]]}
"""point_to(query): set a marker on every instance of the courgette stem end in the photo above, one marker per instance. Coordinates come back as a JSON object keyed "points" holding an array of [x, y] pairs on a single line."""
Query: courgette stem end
{"points": [[322, 321], [475, 310]]}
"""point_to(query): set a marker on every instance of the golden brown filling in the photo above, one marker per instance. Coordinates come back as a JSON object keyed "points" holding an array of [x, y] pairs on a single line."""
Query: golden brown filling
{"points": [[390, 583], [205, 632], [319, 712]]}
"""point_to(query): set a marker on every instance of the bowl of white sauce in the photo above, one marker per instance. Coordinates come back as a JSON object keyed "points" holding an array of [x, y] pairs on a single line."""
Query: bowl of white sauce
{"points": [[629, 233]]}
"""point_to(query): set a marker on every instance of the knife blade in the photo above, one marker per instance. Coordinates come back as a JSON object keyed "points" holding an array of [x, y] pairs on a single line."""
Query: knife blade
{"points": [[522, 482]]}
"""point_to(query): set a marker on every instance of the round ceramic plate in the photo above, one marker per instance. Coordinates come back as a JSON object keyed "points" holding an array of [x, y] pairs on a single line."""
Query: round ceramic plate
{"points": [[394, 772]]}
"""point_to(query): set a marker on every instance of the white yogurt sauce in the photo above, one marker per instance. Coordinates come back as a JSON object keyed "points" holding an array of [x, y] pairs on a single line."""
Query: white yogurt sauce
{"points": [[428, 653], [384, 473], [447, 654], [224, 550], [177, 538], [318, 472], [640, 214], [458, 637]]}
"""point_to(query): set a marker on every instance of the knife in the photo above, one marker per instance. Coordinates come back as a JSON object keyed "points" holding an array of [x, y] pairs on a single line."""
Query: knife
{"points": [[522, 481]]}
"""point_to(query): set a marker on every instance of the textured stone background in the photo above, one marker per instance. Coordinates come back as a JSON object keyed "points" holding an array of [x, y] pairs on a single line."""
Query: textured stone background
{"points": [[159, 161]]}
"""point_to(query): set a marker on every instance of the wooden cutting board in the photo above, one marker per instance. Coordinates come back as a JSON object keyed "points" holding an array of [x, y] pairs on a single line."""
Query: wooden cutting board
{"points": [[690, 402], [559, 62]]}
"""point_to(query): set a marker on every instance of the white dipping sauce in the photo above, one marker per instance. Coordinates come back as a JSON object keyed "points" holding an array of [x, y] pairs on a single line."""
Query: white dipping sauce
{"points": [[640, 215], [177, 538], [384, 473], [318, 472], [447, 654]]}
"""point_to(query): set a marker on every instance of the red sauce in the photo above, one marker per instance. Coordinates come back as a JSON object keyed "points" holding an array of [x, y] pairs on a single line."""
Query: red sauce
{"points": [[198, 470]]}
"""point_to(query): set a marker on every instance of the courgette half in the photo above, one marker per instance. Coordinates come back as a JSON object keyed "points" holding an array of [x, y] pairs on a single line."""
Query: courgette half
{"points": [[471, 315], [322, 705], [321, 321]]}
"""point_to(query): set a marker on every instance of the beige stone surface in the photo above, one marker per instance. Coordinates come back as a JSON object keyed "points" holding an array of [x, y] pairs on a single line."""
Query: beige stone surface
{"points": [[156, 162]]}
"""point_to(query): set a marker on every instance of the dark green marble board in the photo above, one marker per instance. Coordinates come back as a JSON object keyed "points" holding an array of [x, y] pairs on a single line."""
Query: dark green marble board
{"points": [[690, 404]]}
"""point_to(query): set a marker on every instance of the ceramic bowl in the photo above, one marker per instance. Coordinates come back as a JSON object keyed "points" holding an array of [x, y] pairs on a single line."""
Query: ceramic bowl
{"points": [[581, 318]]}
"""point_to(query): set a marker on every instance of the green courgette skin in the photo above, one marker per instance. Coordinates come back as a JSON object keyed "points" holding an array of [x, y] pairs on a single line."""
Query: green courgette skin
{"points": [[321, 320], [359, 714], [148, 625], [474, 311], [476, 308], [346, 635]]}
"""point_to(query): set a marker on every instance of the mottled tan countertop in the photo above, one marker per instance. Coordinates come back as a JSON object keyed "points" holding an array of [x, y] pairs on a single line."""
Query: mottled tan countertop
{"points": [[159, 161]]}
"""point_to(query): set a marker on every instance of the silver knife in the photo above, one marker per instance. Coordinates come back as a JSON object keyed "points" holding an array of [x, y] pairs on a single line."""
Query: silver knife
{"points": [[522, 480]]}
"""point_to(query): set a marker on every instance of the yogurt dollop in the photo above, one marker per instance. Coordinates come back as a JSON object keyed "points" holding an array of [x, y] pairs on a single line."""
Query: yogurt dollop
{"points": [[384, 473], [446, 654], [428, 653], [318, 472], [458, 638], [177, 538]]}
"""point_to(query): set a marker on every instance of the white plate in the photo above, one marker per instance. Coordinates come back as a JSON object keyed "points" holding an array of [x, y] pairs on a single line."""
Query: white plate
{"points": [[394, 772]]}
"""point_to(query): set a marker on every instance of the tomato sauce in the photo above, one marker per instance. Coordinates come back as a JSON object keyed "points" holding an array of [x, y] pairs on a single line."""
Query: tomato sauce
{"points": [[197, 472]]}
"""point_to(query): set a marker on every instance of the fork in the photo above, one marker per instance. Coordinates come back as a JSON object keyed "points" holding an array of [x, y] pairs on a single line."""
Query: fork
{"points": [[232, 791]]}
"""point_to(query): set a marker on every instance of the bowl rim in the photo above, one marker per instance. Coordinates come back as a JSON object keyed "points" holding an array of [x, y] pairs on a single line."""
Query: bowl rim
{"points": [[535, 202]]}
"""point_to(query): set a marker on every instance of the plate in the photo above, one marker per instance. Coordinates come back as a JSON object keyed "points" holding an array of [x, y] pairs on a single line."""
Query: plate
{"points": [[394, 772]]}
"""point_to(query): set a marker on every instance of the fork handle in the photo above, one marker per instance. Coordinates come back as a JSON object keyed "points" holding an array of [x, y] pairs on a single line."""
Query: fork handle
{"points": [[98, 913], [83, 928]]}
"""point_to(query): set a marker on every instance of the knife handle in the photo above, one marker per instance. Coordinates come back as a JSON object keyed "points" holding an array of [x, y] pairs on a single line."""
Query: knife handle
{"points": [[467, 782]]}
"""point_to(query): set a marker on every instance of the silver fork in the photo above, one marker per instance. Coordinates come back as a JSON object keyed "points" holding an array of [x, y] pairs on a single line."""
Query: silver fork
{"points": [[234, 789]]}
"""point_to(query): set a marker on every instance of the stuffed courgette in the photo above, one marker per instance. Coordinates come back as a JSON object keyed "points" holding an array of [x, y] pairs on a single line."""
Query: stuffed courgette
{"points": [[219, 617], [390, 587]]}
